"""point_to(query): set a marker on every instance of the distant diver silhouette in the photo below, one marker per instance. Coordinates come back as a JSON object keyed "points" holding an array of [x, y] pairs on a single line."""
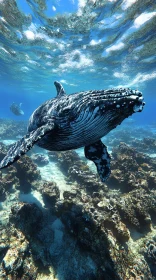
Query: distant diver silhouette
{"points": [[16, 109]]}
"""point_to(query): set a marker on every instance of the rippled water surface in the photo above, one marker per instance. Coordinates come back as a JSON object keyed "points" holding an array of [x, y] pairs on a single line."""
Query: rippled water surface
{"points": [[83, 44]]}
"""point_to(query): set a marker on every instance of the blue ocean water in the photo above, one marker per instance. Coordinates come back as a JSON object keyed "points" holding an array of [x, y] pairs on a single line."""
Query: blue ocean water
{"points": [[83, 44]]}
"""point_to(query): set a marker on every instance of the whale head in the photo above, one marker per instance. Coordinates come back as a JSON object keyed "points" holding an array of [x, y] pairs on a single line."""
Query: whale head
{"points": [[103, 110], [118, 104], [123, 101]]}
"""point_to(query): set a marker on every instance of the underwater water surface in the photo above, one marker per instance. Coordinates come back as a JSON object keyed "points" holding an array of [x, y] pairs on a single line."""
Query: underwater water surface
{"points": [[57, 219]]}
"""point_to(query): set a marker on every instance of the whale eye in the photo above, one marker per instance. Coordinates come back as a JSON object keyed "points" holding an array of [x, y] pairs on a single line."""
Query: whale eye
{"points": [[66, 111]]}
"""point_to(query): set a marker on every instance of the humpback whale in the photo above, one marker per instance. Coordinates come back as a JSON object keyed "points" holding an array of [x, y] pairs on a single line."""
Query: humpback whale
{"points": [[71, 121]]}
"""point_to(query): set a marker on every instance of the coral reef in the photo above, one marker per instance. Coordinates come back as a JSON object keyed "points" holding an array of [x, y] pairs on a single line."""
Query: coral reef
{"points": [[129, 135], [40, 159], [27, 217], [50, 193], [147, 144], [98, 231], [10, 129], [22, 175], [76, 170], [100, 216], [138, 209], [33, 248], [131, 169], [17, 261], [8, 182], [53, 156], [3, 150], [27, 173], [151, 251]]}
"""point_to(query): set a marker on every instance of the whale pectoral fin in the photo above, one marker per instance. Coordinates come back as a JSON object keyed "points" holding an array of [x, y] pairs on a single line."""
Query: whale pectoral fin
{"points": [[97, 152], [25, 144]]}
